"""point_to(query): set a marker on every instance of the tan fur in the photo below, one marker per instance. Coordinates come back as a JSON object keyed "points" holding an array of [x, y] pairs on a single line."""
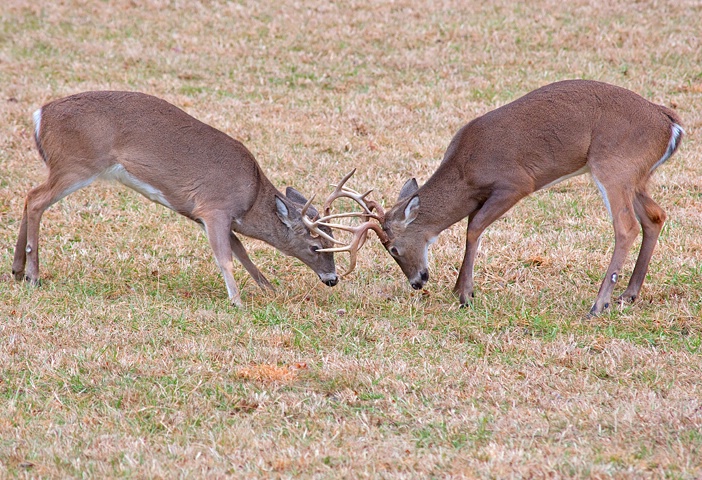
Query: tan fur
{"points": [[172, 158], [560, 130]]}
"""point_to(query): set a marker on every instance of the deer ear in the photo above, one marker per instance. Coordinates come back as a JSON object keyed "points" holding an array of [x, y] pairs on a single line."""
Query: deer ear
{"points": [[409, 188], [295, 195], [286, 213], [411, 211]]}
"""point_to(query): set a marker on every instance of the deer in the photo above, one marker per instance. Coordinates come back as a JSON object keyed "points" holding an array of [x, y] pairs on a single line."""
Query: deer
{"points": [[558, 131], [175, 160]]}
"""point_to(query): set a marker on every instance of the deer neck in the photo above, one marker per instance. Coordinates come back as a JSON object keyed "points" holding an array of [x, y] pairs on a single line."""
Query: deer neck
{"points": [[260, 220], [446, 198]]}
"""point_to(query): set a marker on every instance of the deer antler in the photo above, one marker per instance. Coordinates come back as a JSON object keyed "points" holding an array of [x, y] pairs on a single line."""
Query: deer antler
{"points": [[359, 232]]}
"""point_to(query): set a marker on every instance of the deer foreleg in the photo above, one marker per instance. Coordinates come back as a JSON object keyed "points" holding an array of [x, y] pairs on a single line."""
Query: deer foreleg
{"points": [[218, 229], [493, 208], [243, 257]]}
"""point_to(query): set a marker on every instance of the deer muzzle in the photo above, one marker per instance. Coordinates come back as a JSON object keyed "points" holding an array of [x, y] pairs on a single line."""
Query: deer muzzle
{"points": [[329, 279], [421, 280]]}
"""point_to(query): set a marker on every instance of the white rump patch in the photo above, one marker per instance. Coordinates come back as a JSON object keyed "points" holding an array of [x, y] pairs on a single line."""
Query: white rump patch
{"points": [[119, 174], [36, 116], [676, 133]]}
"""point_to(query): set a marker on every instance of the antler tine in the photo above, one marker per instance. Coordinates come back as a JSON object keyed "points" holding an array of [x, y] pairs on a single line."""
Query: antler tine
{"points": [[313, 225], [339, 191], [360, 234], [367, 205], [303, 212], [352, 248], [324, 220]]}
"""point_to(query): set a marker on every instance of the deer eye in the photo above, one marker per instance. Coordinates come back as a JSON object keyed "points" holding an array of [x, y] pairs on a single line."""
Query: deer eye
{"points": [[394, 252], [314, 248]]}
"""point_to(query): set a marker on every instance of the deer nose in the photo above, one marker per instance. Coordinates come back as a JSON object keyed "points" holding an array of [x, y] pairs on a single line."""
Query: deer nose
{"points": [[423, 278], [329, 279]]}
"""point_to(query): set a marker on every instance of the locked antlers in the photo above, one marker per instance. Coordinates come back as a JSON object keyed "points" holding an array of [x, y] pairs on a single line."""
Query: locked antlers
{"points": [[359, 232]]}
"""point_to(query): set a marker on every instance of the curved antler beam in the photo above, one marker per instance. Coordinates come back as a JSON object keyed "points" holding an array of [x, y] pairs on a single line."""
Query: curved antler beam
{"points": [[360, 232]]}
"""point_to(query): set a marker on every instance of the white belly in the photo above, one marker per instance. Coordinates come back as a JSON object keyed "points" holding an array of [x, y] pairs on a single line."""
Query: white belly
{"points": [[119, 174]]}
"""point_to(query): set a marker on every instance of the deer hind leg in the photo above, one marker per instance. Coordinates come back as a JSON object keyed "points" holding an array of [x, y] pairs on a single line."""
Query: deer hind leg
{"points": [[20, 260], [651, 216], [218, 229], [26, 261], [493, 208], [243, 257], [620, 204]]}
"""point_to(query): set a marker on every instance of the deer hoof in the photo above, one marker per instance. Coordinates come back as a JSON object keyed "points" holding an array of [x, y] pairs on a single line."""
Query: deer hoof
{"points": [[466, 300], [626, 299], [596, 310]]}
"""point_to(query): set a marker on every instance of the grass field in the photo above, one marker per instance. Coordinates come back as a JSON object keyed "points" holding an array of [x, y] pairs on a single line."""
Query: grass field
{"points": [[129, 362]]}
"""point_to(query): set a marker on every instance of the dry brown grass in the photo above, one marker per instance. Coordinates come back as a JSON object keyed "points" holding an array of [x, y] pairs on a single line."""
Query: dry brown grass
{"points": [[128, 362]]}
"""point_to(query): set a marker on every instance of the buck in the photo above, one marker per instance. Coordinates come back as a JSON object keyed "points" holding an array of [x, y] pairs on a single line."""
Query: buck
{"points": [[551, 134], [175, 160]]}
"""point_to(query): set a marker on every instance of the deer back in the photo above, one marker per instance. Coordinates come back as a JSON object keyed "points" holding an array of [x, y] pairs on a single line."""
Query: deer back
{"points": [[143, 140]]}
